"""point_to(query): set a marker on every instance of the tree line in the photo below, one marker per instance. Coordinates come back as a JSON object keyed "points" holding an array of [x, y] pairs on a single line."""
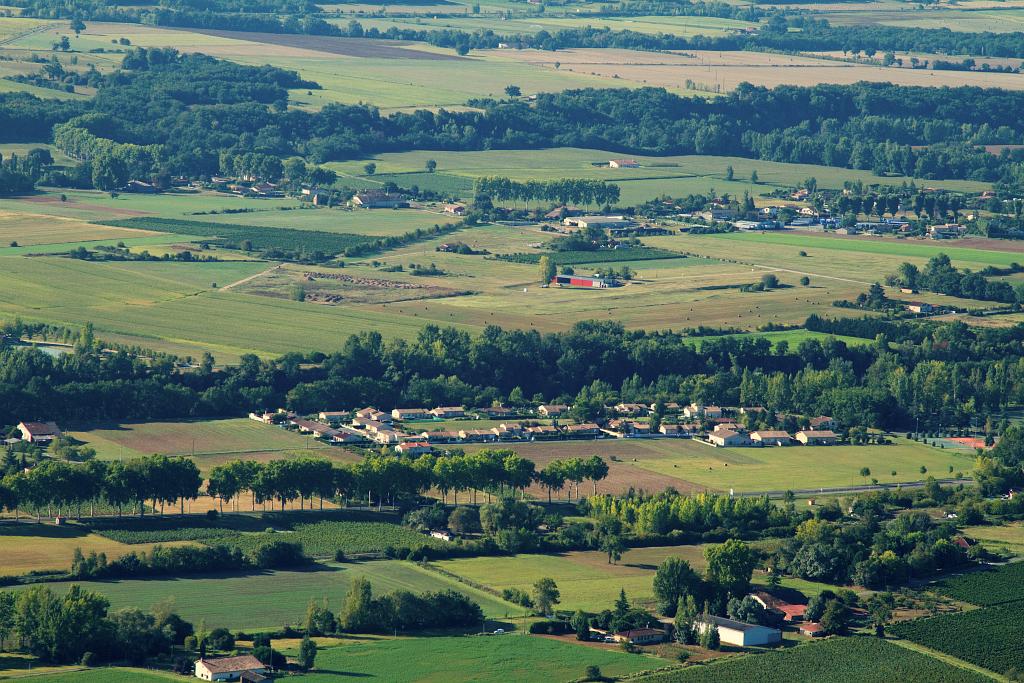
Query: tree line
{"points": [[564, 191]]}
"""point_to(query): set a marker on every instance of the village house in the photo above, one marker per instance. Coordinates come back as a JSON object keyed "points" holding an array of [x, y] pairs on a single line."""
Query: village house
{"points": [[386, 437], [371, 426], [727, 437], [333, 417], [585, 430], [822, 422], [448, 412], [344, 435], [718, 214], [317, 429], [39, 432], [442, 436], [552, 410], [411, 414], [477, 435], [641, 636], [812, 437], [371, 413], [542, 432], [695, 410], [741, 634], [414, 448], [229, 668], [728, 426], [752, 410], [671, 407], [496, 412], [631, 409], [771, 438], [685, 430]]}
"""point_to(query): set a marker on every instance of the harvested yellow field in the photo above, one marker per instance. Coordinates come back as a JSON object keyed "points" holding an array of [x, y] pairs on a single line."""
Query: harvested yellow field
{"points": [[28, 229], [32, 547], [723, 71]]}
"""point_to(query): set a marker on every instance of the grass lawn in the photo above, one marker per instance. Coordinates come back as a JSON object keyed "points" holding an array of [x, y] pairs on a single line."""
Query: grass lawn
{"points": [[36, 547], [494, 659], [272, 599], [101, 675], [801, 467]]}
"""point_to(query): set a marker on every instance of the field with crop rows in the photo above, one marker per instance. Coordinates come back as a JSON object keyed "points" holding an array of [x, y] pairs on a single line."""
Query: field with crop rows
{"points": [[322, 539], [836, 660], [988, 587], [258, 237], [988, 637]]}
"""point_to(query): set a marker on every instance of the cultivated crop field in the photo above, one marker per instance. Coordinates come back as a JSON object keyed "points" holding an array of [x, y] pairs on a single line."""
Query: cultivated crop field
{"points": [[376, 223], [494, 659], [272, 599], [38, 229], [988, 637], [987, 587], [835, 660]]}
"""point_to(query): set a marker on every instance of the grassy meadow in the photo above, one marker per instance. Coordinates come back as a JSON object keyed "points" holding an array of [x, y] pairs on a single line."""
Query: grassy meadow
{"points": [[493, 659]]}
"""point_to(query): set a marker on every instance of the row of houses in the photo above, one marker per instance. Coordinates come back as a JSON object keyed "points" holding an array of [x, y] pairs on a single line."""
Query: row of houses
{"points": [[734, 435]]}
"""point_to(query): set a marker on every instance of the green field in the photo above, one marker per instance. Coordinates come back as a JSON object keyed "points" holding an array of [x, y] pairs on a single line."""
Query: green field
{"points": [[494, 659], [774, 469], [383, 223], [988, 637], [272, 599], [1007, 538], [676, 176], [102, 675], [835, 660]]}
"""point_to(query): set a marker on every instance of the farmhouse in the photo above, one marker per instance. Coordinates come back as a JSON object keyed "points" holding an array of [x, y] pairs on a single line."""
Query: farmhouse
{"points": [[229, 668], [551, 410], [597, 221], [812, 437], [739, 633], [945, 232], [380, 200], [578, 281], [39, 432], [455, 209], [267, 417], [771, 438], [920, 307], [641, 636], [448, 412], [718, 214], [624, 163], [812, 629], [790, 612], [411, 414], [727, 437]]}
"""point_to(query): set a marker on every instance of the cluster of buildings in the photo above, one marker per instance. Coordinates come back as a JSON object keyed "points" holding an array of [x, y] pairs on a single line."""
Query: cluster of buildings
{"points": [[403, 428], [40, 433]]}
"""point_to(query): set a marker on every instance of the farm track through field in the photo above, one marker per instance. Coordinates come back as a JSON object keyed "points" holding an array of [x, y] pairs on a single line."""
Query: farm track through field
{"points": [[236, 283]]}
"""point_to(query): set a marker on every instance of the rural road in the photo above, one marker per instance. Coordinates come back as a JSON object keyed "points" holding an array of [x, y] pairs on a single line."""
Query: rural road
{"points": [[851, 489]]}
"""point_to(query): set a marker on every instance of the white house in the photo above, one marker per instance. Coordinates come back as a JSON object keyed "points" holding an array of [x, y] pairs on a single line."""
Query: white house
{"points": [[771, 438], [228, 668], [727, 437], [812, 437], [739, 633]]}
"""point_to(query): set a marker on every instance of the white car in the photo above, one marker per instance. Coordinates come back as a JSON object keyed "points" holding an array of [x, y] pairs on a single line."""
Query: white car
{"points": [[499, 632]]}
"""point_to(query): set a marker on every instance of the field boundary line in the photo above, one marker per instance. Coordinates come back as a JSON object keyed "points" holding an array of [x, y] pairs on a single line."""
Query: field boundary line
{"points": [[268, 271], [948, 659]]}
